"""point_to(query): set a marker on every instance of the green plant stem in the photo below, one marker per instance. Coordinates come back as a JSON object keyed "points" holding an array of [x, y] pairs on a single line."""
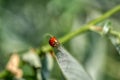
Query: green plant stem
{"points": [[115, 33], [84, 28], [3, 74]]}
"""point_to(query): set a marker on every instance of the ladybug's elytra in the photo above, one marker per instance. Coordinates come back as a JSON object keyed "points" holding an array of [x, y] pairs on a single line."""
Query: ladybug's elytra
{"points": [[53, 42]]}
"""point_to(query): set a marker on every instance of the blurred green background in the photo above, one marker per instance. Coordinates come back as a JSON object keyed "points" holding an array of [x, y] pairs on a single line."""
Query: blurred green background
{"points": [[24, 24]]}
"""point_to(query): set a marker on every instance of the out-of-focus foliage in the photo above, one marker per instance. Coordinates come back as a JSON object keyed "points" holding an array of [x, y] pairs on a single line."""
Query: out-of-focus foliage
{"points": [[24, 24]]}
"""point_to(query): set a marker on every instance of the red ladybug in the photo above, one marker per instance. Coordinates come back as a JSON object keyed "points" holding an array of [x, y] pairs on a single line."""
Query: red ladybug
{"points": [[53, 42]]}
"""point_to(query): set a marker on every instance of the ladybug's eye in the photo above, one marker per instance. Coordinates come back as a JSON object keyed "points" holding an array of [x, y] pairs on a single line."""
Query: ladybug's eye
{"points": [[53, 42]]}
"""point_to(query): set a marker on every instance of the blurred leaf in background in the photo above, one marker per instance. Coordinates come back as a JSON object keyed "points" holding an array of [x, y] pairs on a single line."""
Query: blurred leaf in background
{"points": [[23, 24]]}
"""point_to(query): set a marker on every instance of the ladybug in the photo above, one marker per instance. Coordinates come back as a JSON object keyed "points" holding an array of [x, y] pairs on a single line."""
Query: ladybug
{"points": [[53, 42]]}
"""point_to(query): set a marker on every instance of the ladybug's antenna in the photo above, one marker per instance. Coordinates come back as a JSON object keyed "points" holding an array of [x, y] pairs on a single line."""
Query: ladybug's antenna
{"points": [[48, 35]]}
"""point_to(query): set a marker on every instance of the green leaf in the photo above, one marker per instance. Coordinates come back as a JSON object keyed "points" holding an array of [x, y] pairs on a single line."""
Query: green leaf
{"points": [[71, 69]]}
